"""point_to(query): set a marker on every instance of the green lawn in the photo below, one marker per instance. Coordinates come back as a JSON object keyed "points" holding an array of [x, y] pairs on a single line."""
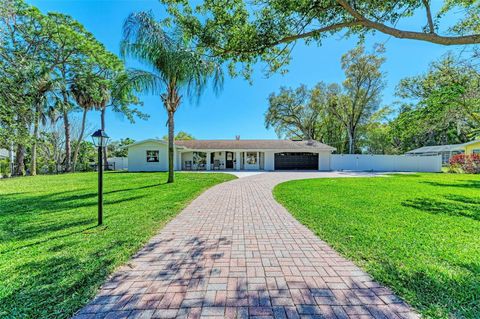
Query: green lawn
{"points": [[52, 255], [418, 234]]}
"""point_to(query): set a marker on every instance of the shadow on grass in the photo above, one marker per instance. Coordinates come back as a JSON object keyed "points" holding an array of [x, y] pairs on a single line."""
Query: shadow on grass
{"points": [[53, 202], [18, 214], [464, 184], [437, 294], [59, 282], [51, 238], [454, 205]]}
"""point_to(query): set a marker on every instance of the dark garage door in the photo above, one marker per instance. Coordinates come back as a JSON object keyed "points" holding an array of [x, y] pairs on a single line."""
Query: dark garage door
{"points": [[296, 161]]}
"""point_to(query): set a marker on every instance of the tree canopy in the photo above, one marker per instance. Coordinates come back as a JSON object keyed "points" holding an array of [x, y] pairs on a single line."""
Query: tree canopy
{"points": [[265, 30], [181, 136], [51, 65]]}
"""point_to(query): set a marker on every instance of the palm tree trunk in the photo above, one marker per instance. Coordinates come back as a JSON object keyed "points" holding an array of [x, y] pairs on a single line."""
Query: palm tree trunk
{"points": [[20, 158], [80, 138], [66, 125], [171, 140], [33, 161], [104, 149]]}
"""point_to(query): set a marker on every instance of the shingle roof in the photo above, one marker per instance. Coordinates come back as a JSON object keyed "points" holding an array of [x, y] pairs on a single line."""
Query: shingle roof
{"points": [[254, 144], [441, 148]]}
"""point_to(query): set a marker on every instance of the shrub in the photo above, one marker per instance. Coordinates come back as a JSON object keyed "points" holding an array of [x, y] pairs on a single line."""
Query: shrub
{"points": [[462, 163], [4, 168]]}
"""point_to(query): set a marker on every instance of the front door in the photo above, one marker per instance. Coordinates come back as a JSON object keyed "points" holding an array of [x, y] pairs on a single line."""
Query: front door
{"points": [[229, 160]]}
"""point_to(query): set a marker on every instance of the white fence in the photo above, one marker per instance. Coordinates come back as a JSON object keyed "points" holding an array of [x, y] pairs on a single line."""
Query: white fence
{"points": [[118, 163], [386, 163]]}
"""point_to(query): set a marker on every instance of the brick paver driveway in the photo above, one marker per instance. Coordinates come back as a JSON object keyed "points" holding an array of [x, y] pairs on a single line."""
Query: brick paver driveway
{"points": [[234, 252]]}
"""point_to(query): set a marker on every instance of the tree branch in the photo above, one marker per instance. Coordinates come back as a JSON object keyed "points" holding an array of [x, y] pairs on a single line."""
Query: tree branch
{"points": [[315, 32], [431, 27], [402, 34]]}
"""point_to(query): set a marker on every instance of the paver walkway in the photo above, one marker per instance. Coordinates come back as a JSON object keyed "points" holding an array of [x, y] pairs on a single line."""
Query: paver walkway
{"points": [[234, 252]]}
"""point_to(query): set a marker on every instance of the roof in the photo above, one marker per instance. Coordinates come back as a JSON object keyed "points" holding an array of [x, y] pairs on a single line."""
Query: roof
{"points": [[441, 148], [247, 144], [4, 153], [253, 144]]}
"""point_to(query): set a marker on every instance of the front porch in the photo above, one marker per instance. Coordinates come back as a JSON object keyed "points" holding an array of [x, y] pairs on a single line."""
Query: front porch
{"points": [[222, 160]]}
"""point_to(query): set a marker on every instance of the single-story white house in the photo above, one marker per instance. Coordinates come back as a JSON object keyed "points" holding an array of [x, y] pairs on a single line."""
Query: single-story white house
{"points": [[268, 155]]}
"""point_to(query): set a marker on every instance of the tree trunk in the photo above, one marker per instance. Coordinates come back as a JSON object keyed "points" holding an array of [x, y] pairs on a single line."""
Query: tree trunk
{"points": [[20, 158], [171, 140], [351, 142], [33, 161], [80, 138], [104, 149], [66, 125]]}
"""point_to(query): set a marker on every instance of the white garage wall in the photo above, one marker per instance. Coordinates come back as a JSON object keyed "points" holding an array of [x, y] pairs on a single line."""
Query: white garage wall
{"points": [[392, 163]]}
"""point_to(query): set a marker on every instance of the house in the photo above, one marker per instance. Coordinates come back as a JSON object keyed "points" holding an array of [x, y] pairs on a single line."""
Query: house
{"points": [[268, 155], [447, 151], [6, 154]]}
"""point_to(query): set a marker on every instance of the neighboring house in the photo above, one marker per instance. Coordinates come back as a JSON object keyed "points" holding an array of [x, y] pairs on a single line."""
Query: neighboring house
{"points": [[447, 151], [4, 154], [268, 155]]}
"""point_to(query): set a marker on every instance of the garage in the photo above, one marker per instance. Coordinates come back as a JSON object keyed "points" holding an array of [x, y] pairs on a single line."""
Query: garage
{"points": [[296, 160]]}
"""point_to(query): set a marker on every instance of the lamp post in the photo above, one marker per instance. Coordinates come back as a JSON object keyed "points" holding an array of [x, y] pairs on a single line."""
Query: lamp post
{"points": [[100, 140]]}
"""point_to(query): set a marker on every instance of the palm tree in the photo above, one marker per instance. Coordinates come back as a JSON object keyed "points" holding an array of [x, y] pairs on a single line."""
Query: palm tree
{"points": [[89, 91], [175, 68], [42, 111]]}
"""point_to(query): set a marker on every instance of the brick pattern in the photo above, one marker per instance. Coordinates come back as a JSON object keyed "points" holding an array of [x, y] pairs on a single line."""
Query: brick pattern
{"points": [[234, 252]]}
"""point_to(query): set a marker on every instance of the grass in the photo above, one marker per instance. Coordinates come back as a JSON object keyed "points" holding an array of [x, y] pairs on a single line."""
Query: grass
{"points": [[419, 234], [53, 257]]}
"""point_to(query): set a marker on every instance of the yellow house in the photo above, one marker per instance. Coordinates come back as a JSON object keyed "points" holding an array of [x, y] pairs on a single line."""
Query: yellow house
{"points": [[472, 147], [447, 151]]}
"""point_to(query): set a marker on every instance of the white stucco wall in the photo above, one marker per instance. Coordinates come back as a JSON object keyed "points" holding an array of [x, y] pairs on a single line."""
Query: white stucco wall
{"points": [[269, 161], [137, 158]]}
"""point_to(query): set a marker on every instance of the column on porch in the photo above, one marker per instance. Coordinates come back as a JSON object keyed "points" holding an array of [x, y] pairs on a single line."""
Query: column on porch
{"points": [[209, 156], [237, 161]]}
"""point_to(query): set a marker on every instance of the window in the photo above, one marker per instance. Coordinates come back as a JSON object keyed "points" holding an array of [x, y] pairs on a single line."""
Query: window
{"points": [[152, 156], [199, 159], [251, 158], [445, 157], [476, 151]]}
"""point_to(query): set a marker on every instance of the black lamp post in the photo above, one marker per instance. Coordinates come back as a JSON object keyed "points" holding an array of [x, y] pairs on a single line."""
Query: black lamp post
{"points": [[100, 140]]}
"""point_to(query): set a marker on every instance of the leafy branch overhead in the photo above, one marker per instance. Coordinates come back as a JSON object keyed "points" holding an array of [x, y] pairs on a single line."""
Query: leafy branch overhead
{"points": [[265, 30]]}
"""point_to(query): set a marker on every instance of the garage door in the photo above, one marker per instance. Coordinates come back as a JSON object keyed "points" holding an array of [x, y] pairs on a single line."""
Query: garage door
{"points": [[296, 161]]}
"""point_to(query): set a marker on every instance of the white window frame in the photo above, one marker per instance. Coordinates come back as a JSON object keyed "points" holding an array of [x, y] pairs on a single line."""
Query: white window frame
{"points": [[248, 165], [156, 159]]}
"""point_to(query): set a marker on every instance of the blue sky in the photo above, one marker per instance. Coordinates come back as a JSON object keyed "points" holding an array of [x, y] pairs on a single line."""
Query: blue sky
{"points": [[240, 107]]}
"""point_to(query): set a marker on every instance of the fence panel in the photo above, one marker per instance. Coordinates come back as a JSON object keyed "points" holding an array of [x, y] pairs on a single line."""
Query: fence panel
{"points": [[119, 163], [386, 163]]}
